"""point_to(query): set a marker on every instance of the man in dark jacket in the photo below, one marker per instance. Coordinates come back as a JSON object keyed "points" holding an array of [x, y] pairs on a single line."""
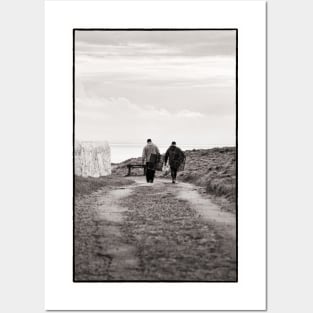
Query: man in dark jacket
{"points": [[149, 158], [175, 158]]}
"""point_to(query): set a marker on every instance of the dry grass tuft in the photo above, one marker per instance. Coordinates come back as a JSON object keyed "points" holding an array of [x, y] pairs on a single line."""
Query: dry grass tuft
{"points": [[87, 185]]}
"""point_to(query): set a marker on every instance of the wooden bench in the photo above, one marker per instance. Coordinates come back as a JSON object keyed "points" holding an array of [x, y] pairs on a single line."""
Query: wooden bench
{"points": [[131, 166]]}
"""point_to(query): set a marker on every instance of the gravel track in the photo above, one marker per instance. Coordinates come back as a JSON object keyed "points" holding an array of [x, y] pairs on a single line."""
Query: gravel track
{"points": [[153, 232]]}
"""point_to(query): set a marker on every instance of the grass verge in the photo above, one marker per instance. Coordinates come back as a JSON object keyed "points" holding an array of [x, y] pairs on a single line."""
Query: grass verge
{"points": [[87, 185]]}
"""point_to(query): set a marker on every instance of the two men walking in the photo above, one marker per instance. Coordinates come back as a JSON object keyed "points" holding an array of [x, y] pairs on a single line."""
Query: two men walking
{"points": [[151, 156]]}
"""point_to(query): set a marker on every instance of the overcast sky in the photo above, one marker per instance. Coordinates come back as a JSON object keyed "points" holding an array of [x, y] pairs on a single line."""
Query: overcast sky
{"points": [[164, 85]]}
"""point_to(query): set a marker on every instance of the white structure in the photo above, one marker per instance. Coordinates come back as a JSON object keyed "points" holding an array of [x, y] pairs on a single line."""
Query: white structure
{"points": [[92, 159]]}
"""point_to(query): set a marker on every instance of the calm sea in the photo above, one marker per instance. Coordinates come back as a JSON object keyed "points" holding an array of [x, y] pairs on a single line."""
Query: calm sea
{"points": [[122, 152]]}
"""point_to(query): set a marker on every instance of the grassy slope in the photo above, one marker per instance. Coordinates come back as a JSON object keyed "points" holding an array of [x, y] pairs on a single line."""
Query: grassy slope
{"points": [[84, 186], [213, 169]]}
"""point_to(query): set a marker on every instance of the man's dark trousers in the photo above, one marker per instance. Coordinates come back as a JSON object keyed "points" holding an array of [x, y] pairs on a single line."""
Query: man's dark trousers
{"points": [[173, 173], [149, 174]]}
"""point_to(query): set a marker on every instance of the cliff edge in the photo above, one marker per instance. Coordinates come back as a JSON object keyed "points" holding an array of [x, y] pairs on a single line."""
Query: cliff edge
{"points": [[92, 159]]}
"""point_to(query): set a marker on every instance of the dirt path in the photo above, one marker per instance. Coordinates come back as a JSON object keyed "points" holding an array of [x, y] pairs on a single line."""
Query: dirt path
{"points": [[160, 231], [206, 208]]}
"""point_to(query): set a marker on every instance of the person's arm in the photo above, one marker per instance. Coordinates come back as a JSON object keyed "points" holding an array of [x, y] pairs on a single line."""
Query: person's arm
{"points": [[183, 154], [157, 150]]}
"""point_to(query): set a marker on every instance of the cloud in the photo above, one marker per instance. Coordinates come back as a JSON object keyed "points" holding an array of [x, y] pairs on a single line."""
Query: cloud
{"points": [[133, 49], [118, 120], [158, 43], [189, 114], [169, 71], [123, 109], [131, 84], [168, 58]]}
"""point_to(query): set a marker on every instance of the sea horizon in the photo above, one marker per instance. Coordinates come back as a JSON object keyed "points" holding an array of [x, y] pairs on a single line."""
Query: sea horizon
{"points": [[123, 151]]}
